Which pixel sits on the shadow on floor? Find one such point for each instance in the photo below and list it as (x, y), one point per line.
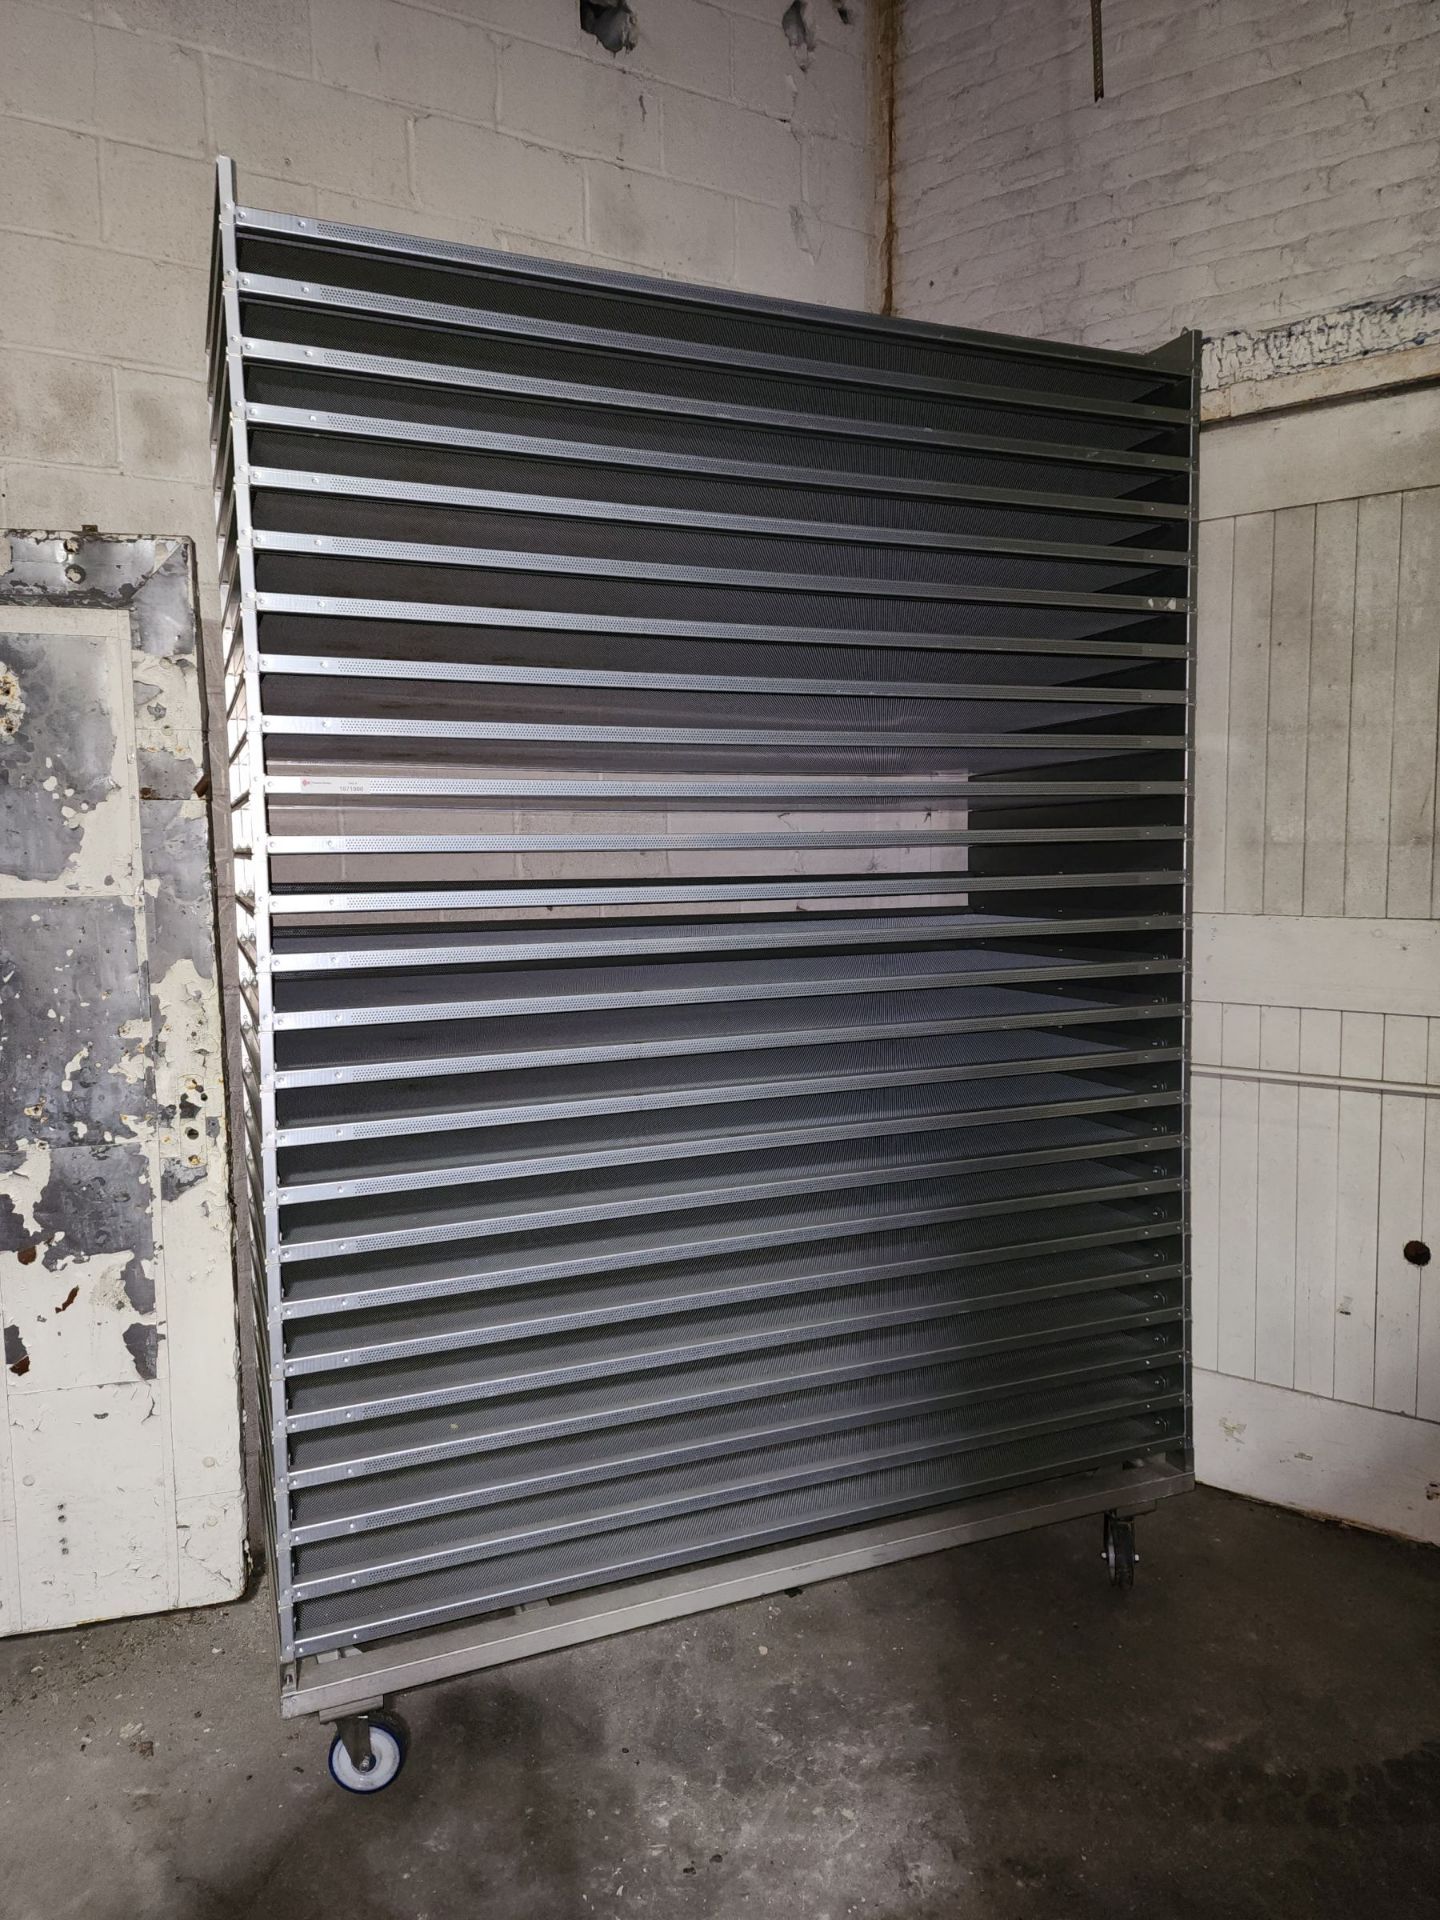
(1254, 1731)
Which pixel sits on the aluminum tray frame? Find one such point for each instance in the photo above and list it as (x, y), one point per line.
(260, 581)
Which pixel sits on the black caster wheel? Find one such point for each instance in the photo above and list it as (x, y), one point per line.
(367, 1753)
(1120, 1554)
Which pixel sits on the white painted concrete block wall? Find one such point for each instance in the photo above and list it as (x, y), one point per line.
(1252, 161)
(707, 153)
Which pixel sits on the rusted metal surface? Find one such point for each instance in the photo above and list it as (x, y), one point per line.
(119, 1426)
(1097, 49)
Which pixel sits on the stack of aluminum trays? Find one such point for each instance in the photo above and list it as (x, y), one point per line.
(710, 797)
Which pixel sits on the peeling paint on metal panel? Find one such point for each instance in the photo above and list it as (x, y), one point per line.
(26, 1171)
(91, 1221)
(73, 1321)
(58, 749)
(115, 1229)
(179, 910)
(167, 716)
(143, 1343)
(131, 1063)
(73, 1005)
(169, 630)
(96, 1200)
(178, 1175)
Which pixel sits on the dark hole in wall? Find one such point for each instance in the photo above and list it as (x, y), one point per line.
(613, 25)
(798, 25)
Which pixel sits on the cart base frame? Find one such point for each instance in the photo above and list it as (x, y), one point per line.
(336, 1687)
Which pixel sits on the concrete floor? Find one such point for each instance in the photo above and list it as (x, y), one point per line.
(989, 1732)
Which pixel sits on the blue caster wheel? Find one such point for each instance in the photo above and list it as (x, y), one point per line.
(367, 1753)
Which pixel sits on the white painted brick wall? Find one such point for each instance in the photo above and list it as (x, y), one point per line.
(1253, 162)
(707, 153)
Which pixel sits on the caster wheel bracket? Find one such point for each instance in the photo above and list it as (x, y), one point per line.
(354, 1731)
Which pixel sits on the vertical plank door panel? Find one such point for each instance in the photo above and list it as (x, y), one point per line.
(1372, 707)
(1417, 698)
(1277, 1174)
(1239, 1124)
(1205, 1091)
(1249, 714)
(1318, 1122)
(1427, 1367)
(1215, 576)
(1357, 1201)
(1289, 711)
(1397, 1291)
(1327, 767)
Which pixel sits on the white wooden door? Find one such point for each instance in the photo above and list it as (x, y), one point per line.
(1317, 986)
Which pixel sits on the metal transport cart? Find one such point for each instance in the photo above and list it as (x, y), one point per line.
(710, 785)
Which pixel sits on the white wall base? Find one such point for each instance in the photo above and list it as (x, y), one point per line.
(1353, 1463)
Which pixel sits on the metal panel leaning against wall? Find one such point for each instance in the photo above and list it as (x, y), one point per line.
(120, 1478)
(1317, 955)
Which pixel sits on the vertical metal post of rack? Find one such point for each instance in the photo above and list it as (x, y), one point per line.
(254, 1059)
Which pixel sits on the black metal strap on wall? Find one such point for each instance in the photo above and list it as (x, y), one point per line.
(711, 809)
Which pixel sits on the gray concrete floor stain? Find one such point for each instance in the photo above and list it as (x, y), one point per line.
(1254, 1731)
